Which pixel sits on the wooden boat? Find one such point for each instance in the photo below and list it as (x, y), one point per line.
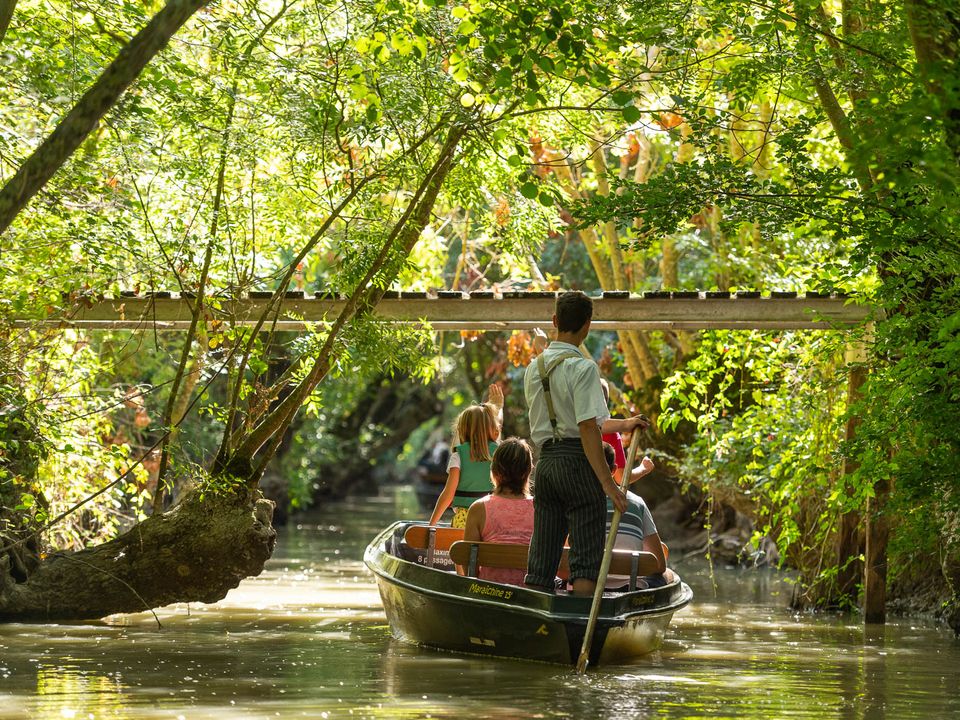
(428, 603)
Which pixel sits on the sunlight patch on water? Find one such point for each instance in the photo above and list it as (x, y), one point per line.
(670, 679)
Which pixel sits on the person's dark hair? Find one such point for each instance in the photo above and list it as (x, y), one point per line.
(610, 455)
(511, 465)
(574, 310)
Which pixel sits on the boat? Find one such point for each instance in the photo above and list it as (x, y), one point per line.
(428, 603)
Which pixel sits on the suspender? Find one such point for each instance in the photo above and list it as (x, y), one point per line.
(545, 372)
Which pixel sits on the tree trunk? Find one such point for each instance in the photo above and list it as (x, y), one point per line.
(849, 538)
(83, 118)
(935, 33)
(195, 552)
(6, 15)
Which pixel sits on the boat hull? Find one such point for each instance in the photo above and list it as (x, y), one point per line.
(448, 611)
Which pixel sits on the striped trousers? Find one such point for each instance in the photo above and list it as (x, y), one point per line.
(567, 499)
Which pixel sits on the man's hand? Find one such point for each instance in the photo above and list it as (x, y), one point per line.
(495, 396)
(639, 421)
(616, 495)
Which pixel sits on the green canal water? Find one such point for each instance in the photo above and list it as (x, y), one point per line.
(308, 639)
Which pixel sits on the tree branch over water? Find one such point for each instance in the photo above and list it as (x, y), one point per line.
(37, 169)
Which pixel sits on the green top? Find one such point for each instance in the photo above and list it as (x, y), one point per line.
(474, 476)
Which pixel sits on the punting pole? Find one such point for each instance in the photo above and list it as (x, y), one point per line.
(584, 658)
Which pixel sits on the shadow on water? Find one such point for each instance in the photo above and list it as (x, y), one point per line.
(308, 638)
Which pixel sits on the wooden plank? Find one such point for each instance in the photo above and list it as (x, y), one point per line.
(687, 311)
(494, 555)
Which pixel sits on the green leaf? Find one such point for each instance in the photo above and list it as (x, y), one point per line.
(420, 46)
(545, 63)
(529, 190)
(631, 114)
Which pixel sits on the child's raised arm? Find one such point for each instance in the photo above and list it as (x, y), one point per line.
(495, 399)
(540, 341)
(495, 396)
(645, 467)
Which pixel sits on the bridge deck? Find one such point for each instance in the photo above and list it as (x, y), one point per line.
(450, 310)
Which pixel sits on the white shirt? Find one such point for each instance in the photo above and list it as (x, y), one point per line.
(574, 388)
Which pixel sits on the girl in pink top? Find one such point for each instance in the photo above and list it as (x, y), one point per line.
(506, 515)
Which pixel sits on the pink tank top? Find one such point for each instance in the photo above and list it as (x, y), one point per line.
(509, 520)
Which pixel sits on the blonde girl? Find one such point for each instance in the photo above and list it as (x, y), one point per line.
(468, 470)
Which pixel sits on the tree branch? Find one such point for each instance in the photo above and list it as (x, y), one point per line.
(37, 169)
(364, 297)
(6, 14)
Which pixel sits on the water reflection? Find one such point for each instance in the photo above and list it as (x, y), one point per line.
(308, 639)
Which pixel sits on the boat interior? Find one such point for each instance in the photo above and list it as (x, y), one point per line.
(444, 549)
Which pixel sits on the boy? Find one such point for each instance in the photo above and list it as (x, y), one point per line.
(637, 530)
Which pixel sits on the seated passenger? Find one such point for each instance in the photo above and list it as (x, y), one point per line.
(506, 515)
(637, 530)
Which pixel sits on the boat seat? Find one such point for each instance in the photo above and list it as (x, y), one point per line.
(431, 545)
(472, 555)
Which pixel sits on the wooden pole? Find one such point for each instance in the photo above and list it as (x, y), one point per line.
(875, 563)
(584, 658)
(849, 539)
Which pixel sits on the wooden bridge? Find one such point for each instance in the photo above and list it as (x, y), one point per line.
(484, 311)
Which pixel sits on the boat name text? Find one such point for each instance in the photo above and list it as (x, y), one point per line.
(490, 590)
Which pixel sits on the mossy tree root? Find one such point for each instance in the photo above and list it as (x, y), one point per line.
(196, 552)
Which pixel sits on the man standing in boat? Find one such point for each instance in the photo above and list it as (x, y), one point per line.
(573, 480)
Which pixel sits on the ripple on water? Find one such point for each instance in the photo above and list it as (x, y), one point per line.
(308, 638)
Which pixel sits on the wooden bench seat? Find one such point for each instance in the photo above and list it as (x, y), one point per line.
(431, 545)
(418, 536)
(472, 555)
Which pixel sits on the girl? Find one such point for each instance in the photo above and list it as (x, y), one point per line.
(468, 470)
(507, 514)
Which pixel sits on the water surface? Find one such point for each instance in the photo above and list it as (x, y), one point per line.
(308, 638)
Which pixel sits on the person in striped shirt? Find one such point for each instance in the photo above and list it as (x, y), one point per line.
(637, 530)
